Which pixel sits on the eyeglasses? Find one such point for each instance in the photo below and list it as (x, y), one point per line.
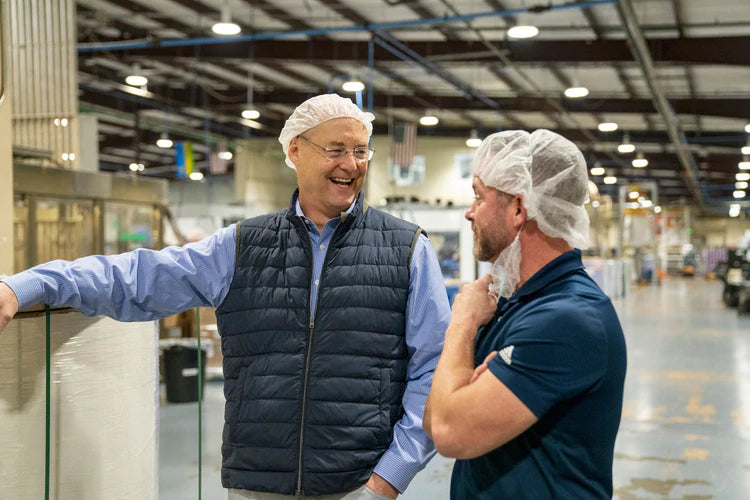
(359, 154)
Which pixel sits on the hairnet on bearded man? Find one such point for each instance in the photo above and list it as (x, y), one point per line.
(549, 172)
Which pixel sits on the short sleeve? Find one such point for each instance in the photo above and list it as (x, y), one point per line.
(552, 352)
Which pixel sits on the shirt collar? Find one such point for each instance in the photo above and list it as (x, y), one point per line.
(299, 212)
(557, 268)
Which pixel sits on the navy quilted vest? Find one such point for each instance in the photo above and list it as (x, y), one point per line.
(311, 402)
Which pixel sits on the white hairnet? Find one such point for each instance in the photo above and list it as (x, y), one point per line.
(317, 110)
(548, 170)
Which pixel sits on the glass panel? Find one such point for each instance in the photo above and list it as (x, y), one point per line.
(127, 227)
(63, 229)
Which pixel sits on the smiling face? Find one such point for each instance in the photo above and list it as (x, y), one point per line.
(328, 186)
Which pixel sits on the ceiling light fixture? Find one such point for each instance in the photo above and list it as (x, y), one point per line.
(626, 146)
(576, 92)
(744, 165)
(610, 180)
(250, 114)
(607, 127)
(225, 27)
(745, 150)
(640, 162)
(137, 167)
(646, 203)
(734, 210)
(196, 176)
(740, 185)
(136, 79)
(747, 128)
(657, 209)
(473, 141)
(597, 170)
(225, 155)
(523, 31)
(739, 194)
(742, 176)
(164, 141)
(353, 86)
(633, 195)
(429, 120)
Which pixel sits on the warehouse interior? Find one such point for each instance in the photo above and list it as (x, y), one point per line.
(142, 124)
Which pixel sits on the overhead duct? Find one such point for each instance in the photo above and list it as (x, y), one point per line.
(640, 51)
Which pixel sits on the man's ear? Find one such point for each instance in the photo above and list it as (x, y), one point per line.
(294, 150)
(519, 214)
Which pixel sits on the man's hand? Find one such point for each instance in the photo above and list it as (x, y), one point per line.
(8, 305)
(474, 306)
(381, 486)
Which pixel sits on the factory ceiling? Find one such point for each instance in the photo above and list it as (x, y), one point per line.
(674, 75)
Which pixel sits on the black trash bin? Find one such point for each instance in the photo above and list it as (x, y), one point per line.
(181, 373)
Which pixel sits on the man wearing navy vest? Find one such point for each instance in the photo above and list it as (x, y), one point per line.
(529, 404)
(332, 317)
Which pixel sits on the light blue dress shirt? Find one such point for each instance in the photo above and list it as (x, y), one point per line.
(146, 284)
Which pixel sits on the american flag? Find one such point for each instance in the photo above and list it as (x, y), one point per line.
(404, 145)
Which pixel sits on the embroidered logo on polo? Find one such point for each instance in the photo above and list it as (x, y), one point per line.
(507, 354)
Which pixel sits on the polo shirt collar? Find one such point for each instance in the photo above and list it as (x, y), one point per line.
(564, 264)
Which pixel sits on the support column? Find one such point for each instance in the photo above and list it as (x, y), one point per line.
(42, 46)
(6, 151)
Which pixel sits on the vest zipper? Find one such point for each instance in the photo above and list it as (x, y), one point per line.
(307, 363)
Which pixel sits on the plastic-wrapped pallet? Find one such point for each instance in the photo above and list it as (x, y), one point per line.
(103, 408)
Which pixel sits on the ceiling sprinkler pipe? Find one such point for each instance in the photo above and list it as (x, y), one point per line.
(434, 21)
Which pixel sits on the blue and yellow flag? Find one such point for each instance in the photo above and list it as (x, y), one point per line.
(184, 158)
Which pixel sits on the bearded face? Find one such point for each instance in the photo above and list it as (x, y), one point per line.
(489, 221)
(490, 241)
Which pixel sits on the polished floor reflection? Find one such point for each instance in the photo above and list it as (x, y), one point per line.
(685, 430)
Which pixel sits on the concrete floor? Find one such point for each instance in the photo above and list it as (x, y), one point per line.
(685, 431)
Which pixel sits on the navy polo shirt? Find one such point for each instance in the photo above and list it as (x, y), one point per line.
(562, 352)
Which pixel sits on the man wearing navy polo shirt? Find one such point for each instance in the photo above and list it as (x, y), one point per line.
(527, 394)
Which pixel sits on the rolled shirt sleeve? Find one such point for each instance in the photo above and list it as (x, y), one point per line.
(135, 286)
(427, 317)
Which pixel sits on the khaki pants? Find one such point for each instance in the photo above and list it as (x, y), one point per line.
(362, 493)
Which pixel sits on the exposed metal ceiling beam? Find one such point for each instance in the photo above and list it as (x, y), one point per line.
(641, 52)
(596, 27)
(724, 50)
(678, 17)
(720, 107)
(448, 31)
(495, 4)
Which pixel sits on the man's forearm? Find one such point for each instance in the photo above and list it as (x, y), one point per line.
(454, 371)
